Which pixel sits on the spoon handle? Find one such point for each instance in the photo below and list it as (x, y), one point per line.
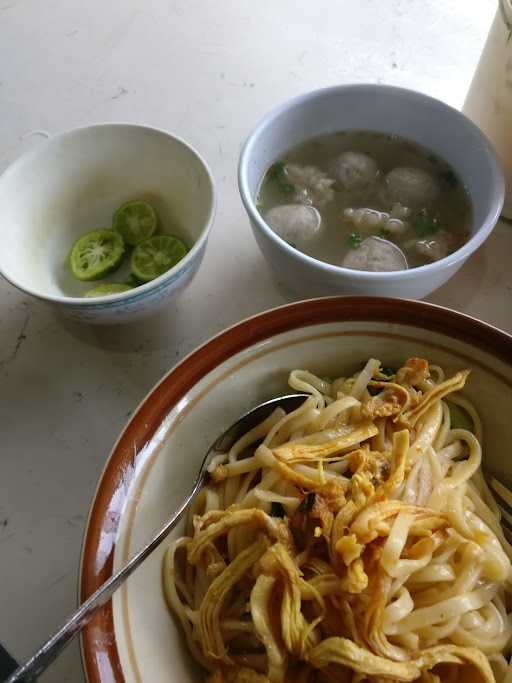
(83, 615)
(54, 646)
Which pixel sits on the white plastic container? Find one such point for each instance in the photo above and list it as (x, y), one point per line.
(489, 100)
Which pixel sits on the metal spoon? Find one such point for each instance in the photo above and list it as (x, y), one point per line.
(56, 644)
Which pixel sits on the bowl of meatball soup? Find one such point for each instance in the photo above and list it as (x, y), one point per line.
(368, 189)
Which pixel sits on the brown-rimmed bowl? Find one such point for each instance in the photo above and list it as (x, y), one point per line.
(134, 639)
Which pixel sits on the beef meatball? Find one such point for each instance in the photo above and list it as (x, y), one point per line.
(375, 254)
(354, 171)
(412, 187)
(296, 223)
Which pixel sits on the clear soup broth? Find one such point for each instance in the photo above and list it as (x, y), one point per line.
(346, 198)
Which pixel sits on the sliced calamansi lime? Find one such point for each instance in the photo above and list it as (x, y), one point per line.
(156, 255)
(96, 253)
(135, 221)
(106, 289)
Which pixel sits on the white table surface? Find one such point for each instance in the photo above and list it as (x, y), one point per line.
(207, 71)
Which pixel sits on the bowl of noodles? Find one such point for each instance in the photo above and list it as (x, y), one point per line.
(353, 539)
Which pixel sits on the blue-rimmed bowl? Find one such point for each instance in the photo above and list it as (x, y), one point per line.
(72, 183)
(387, 109)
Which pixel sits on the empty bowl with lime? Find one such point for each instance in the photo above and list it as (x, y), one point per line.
(107, 222)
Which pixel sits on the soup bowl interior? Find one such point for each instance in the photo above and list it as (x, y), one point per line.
(389, 110)
(385, 109)
(74, 182)
(156, 458)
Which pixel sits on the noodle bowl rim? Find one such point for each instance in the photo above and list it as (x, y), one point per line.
(105, 516)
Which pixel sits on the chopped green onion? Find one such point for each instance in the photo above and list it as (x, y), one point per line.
(277, 510)
(277, 172)
(389, 372)
(354, 240)
(450, 177)
(424, 225)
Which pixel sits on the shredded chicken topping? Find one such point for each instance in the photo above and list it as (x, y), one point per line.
(348, 541)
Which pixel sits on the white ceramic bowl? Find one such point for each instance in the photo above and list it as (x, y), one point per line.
(415, 116)
(134, 639)
(73, 183)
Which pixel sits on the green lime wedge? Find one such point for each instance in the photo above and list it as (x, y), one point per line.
(135, 221)
(156, 255)
(95, 254)
(105, 290)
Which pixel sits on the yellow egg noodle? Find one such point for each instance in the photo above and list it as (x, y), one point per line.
(353, 539)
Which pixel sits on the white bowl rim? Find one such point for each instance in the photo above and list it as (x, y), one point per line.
(140, 291)
(362, 275)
